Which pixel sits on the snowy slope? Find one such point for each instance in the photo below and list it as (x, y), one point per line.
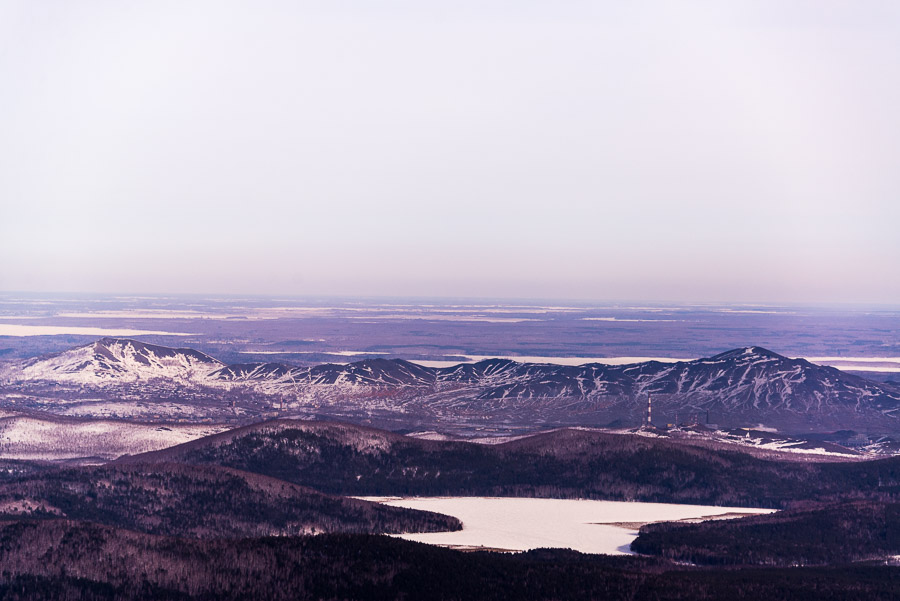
(52, 440)
(111, 360)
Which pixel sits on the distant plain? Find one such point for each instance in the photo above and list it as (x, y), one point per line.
(306, 331)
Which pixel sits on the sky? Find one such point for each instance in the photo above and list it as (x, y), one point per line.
(699, 151)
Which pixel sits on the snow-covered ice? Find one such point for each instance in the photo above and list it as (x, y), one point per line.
(15, 329)
(876, 364)
(520, 524)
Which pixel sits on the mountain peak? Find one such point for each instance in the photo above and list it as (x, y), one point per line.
(747, 353)
(121, 360)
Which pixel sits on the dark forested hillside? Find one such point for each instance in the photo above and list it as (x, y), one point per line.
(45, 560)
(201, 501)
(346, 459)
(10, 469)
(838, 533)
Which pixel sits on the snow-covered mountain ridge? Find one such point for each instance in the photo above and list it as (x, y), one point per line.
(743, 386)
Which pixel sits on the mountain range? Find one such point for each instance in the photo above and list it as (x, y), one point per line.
(742, 387)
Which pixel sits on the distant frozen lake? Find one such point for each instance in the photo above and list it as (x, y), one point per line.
(15, 329)
(520, 524)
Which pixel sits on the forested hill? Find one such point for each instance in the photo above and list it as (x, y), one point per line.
(834, 534)
(201, 502)
(347, 459)
(53, 560)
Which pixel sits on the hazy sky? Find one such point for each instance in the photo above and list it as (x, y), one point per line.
(608, 150)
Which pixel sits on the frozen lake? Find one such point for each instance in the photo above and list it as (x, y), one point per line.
(520, 524)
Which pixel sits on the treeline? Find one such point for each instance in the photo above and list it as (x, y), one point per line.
(202, 501)
(66, 560)
(834, 534)
(566, 463)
